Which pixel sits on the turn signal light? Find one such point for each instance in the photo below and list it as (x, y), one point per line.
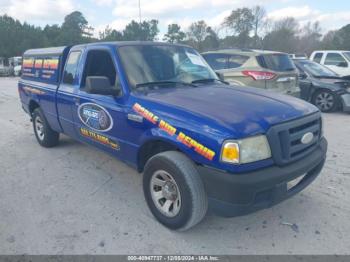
(230, 153)
(259, 75)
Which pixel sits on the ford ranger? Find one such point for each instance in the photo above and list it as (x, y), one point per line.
(160, 108)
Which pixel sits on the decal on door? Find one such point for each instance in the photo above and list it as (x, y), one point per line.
(172, 131)
(95, 117)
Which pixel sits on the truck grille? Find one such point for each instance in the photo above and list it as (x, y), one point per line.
(286, 139)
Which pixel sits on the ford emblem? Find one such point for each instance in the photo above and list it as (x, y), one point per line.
(307, 138)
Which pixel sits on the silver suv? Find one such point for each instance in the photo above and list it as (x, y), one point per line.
(263, 69)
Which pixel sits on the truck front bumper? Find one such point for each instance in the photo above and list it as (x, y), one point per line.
(239, 194)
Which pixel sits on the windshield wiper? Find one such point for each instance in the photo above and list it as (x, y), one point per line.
(155, 83)
(209, 80)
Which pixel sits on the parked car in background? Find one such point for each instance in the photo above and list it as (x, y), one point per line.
(15, 65)
(4, 67)
(323, 87)
(337, 61)
(263, 69)
(298, 56)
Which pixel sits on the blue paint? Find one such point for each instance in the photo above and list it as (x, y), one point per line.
(208, 113)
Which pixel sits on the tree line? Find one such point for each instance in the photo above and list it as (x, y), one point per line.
(243, 28)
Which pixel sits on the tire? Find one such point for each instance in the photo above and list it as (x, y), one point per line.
(191, 202)
(325, 100)
(45, 136)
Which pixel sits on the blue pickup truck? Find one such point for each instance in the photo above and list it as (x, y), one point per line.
(161, 109)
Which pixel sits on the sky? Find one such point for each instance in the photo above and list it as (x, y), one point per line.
(117, 13)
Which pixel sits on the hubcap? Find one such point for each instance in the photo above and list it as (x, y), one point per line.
(324, 101)
(39, 127)
(165, 193)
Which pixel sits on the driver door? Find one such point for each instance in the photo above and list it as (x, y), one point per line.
(97, 117)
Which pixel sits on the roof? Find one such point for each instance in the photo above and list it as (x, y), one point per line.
(45, 51)
(243, 51)
(60, 50)
(129, 43)
(335, 51)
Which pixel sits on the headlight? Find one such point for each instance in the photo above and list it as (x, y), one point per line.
(245, 150)
(348, 89)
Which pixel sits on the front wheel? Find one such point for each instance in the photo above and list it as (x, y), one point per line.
(42, 130)
(174, 191)
(325, 100)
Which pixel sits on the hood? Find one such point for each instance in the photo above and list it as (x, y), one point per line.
(331, 82)
(243, 111)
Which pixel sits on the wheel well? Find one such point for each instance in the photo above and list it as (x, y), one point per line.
(150, 149)
(319, 90)
(32, 106)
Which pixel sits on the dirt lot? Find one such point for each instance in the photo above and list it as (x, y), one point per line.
(74, 199)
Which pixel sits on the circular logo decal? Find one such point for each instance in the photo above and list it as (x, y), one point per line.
(95, 117)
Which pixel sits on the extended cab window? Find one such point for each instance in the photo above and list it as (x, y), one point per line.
(71, 67)
(99, 63)
(334, 59)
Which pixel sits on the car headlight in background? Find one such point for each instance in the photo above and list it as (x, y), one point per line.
(246, 150)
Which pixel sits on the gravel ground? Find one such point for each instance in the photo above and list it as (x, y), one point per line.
(74, 199)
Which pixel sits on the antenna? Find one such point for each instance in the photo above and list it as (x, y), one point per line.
(140, 11)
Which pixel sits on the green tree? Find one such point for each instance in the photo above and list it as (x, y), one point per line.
(310, 38)
(75, 29)
(52, 34)
(174, 34)
(338, 39)
(212, 40)
(241, 22)
(284, 36)
(145, 31)
(110, 34)
(197, 33)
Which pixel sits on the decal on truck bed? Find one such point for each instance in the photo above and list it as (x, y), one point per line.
(95, 117)
(45, 68)
(170, 130)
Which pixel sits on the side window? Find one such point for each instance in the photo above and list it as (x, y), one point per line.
(71, 67)
(334, 59)
(99, 63)
(216, 61)
(235, 61)
(318, 57)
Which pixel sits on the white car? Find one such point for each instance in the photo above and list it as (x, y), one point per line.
(16, 65)
(298, 56)
(336, 60)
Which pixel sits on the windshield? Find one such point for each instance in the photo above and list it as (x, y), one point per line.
(276, 62)
(163, 63)
(316, 69)
(347, 54)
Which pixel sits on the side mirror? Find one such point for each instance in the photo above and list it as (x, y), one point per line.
(100, 85)
(343, 64)
(221, 76)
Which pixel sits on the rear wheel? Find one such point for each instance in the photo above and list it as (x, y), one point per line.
(325, 101)
(174, 190)
(43, 132)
